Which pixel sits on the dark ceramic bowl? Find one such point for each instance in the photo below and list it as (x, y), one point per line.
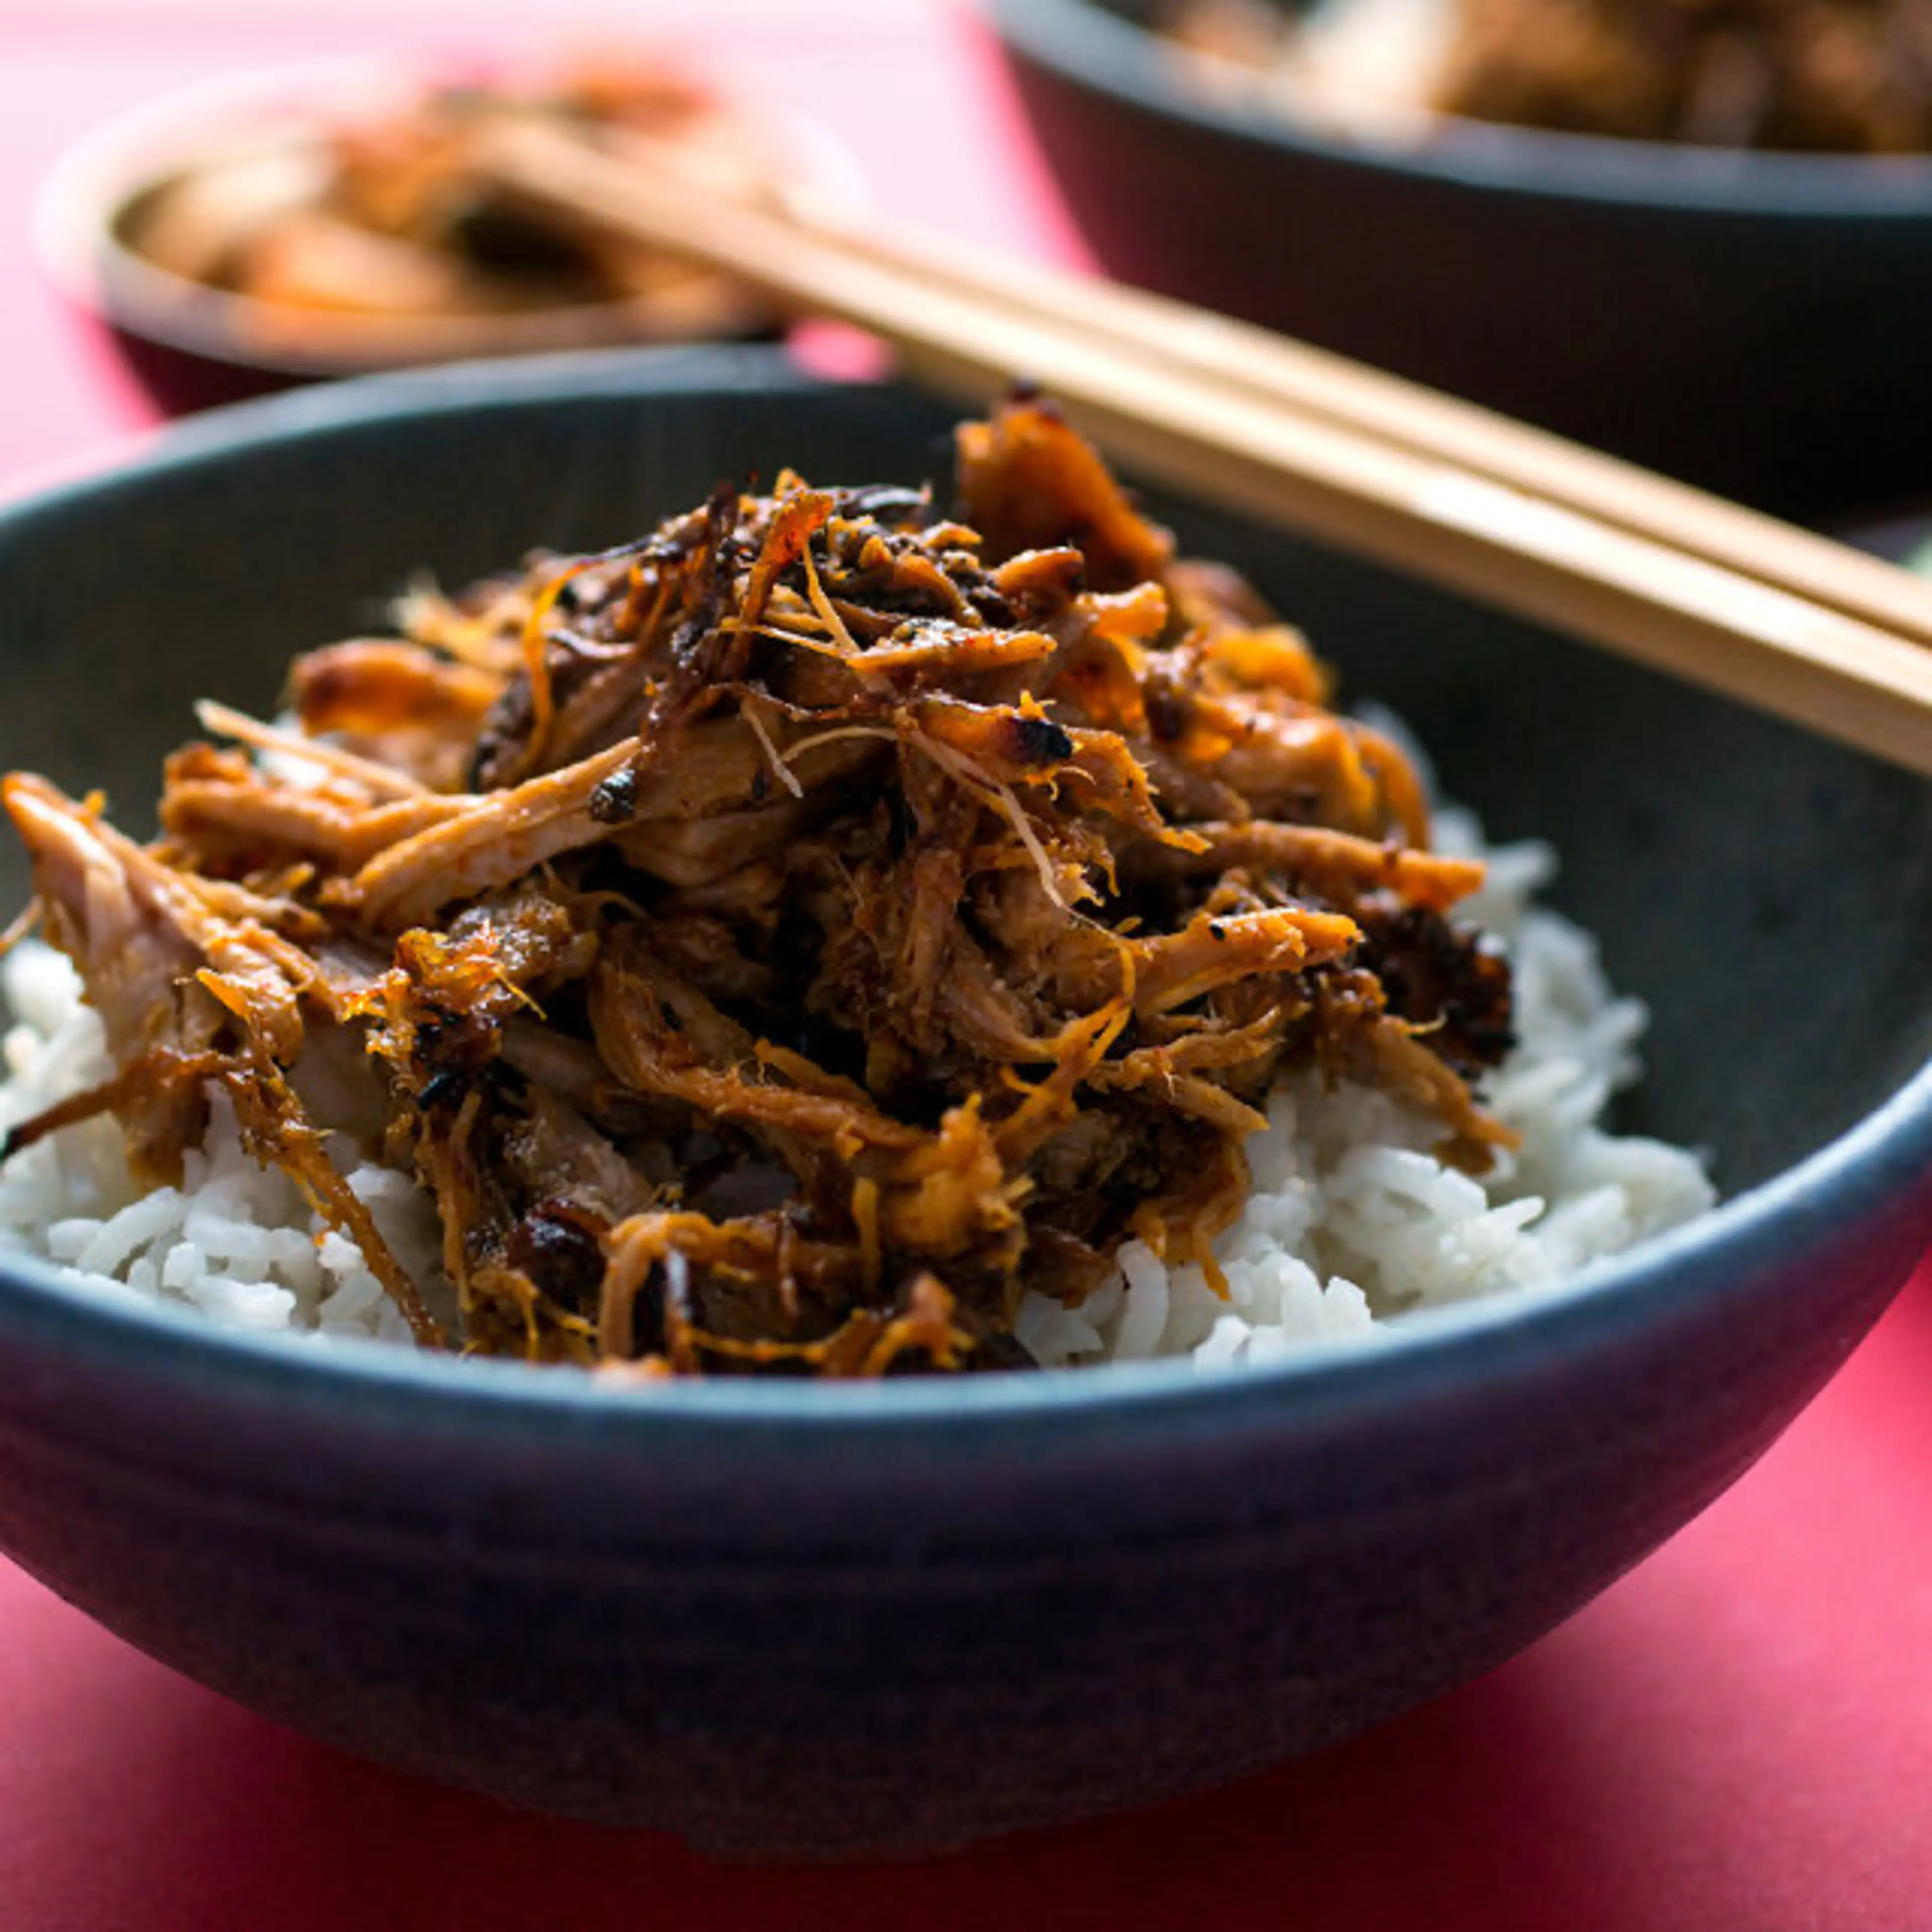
(1755, 322)
(785, 1618)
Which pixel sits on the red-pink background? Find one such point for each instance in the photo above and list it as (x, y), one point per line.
(1737, 1736)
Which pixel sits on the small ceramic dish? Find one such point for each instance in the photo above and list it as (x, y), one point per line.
(132, 226)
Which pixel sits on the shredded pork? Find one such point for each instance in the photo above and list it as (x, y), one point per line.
(782, 942)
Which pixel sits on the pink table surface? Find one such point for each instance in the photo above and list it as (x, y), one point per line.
(1738, 1736)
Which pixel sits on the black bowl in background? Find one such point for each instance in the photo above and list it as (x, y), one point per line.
(783, 1618)
(1756, 323)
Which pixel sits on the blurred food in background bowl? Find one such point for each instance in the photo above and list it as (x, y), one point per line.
(1823, 76)
(330, 221)
(1750, 320)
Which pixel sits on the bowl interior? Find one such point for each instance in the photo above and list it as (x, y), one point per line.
(1768, 894)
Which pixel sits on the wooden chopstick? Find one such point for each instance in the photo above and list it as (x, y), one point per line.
(1771, 616)
(1239, 356)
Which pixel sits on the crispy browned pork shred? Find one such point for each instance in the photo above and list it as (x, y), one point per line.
(785, 941)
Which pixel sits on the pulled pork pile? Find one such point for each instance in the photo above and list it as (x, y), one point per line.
(782, 942)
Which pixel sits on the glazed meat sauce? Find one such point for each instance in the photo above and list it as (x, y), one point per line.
(781, 943)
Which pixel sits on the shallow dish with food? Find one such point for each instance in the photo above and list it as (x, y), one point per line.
(322, 221)
(787, 1618)
(1745, 320)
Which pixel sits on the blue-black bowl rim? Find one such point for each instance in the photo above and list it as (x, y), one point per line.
(1093, 48)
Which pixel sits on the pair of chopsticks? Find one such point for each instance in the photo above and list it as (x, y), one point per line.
(1790, 622)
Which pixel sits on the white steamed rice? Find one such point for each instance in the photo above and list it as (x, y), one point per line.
(1352, 1222)
(236, 1241)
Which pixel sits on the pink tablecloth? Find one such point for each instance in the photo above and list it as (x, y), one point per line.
(1738, 1736)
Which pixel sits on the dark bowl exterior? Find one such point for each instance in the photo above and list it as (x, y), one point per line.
(177, 381)
(782, 1620)
(1754, 324)
(797, 1636)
